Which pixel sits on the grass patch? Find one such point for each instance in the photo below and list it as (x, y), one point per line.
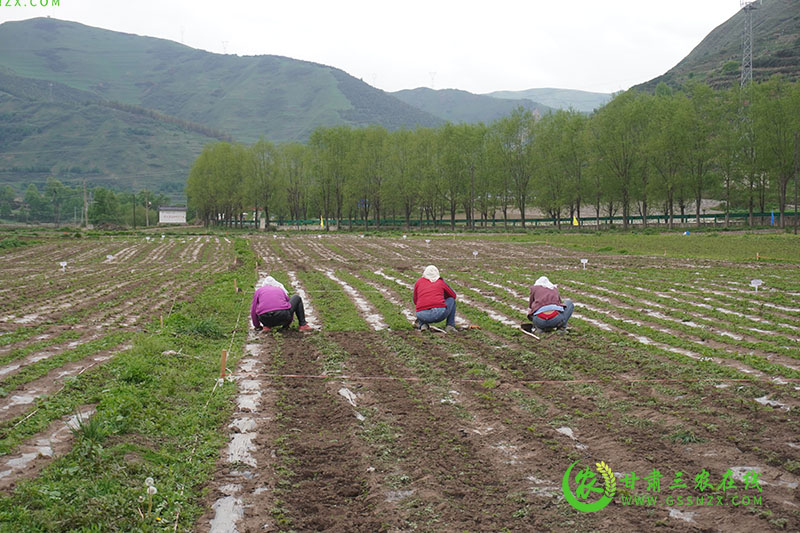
(156, 418)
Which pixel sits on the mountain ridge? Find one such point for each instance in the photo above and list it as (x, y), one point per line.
(717, 59)
(455, 105)
(246, 96)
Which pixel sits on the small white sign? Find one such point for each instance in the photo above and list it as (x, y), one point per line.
(583, 262)
(756, 283)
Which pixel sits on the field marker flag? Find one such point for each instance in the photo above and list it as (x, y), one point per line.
(575, 221)
(772, 218)
(321, 223)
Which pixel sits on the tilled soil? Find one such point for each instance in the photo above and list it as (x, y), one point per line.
(401, 430)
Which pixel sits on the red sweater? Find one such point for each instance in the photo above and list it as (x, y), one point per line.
(429, 295)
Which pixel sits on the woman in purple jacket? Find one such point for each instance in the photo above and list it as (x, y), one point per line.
(272, 307)
(545, 308)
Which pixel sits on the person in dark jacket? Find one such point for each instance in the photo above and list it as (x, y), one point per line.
(545, 308)
(434, 300)
(272, 307)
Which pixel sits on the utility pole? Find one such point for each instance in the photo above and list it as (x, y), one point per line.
(795, 182)
(134, 209)
(748, 141)
(85, 205)
(748, 6)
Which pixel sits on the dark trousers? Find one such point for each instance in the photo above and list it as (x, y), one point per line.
(283, 317)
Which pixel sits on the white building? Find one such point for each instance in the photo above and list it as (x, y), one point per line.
(172, 215)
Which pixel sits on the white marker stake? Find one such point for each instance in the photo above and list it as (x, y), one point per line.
(583, 262)
(427, 241)
(475, 254)
(756, 283)
(63, 265)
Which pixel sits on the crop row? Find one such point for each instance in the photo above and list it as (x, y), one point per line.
(494, 391)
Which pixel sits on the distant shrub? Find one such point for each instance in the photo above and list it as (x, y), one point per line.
(12, 242)
(731, 67)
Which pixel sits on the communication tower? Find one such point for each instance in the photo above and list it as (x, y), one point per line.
(748, 7)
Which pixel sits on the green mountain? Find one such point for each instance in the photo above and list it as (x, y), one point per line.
(458, 106)
(50, 129)
(130, 112)
(249, 97)
(106, 146)
(717, 59)
(583, 101)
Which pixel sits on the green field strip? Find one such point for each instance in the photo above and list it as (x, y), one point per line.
(391, 314)
(667, 310)
(677, 325)
(762, 297)
(733, 321)
(678, 280)
(336, 311)
(22, 351)
(20, 334)
(41, 368)
(755, 362)
(671, 340)
(155, 404)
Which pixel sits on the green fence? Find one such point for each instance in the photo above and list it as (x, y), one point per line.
(716, 219)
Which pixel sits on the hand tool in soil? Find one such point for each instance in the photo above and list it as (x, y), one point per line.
(527, 328)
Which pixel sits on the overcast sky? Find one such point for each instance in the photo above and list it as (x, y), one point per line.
(477, 46)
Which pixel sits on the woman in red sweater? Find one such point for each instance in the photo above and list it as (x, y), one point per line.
(435, 301)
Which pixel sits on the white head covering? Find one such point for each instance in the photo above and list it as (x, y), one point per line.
(544, 282)
(269, 280)
(431, 273)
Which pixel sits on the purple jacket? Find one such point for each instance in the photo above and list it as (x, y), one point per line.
(266, 299)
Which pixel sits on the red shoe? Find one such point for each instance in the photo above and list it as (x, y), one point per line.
(305, 327)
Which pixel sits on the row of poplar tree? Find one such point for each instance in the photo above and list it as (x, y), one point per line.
(641, 154)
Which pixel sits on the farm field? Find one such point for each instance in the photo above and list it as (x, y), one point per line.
(673, 364)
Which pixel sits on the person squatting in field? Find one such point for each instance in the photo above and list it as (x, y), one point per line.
(434, 300)
(272, 307)
(545, 308)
